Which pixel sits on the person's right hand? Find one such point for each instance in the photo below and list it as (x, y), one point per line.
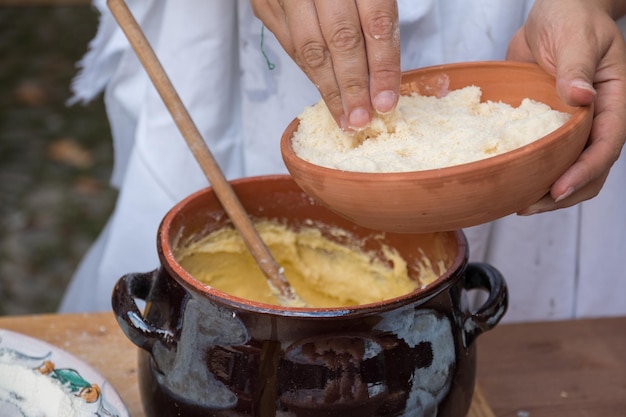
(580, 43)
(350, 50)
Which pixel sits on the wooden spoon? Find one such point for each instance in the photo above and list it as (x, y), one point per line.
(201, 152)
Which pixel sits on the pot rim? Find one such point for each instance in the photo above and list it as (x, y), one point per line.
(184, 278)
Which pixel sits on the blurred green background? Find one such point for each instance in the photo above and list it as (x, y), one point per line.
(55, 160)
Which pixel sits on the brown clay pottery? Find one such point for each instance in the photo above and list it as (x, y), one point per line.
(458, 196)
(206, 353)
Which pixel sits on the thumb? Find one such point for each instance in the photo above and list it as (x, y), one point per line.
(575, 71)
(518, 49)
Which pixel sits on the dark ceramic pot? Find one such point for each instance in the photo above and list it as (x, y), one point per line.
(206, 353)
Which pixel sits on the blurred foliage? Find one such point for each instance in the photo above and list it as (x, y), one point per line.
(55, 160)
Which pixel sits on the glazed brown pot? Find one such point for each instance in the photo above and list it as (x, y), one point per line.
(207, 353)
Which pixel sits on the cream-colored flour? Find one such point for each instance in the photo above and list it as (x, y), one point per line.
(34, 394)
(425, 133)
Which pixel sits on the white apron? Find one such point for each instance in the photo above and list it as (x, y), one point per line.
(558, 265)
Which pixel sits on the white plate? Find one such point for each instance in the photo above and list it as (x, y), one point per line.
(84, 387)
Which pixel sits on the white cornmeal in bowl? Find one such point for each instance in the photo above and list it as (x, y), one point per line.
(424, 133)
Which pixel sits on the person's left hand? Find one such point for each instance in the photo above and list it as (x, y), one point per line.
(580, 43)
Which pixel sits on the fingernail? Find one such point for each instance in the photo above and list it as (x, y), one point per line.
(343, 123)
(359, 118)
(566, 194)
(546, 204)
(583, 85)
(385, 101)
(539, 207)
(528, 212)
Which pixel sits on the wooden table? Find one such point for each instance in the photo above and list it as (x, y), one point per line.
(555, 369)
(572, 368)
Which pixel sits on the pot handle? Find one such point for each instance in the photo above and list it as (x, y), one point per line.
(129, 288)
(480, 275)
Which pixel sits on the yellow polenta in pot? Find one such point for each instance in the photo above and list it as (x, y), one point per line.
(323, 272)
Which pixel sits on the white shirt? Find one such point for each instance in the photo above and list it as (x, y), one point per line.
(563, 264)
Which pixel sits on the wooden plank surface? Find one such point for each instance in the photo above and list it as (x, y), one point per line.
(97, 339)
(555, 369)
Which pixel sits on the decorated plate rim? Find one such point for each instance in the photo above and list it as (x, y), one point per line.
(78, 377)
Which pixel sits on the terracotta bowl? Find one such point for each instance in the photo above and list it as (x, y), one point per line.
(207, 353)
(458, 196)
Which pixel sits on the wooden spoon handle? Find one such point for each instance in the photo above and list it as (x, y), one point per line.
(200, 150)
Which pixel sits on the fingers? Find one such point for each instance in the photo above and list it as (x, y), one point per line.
(379, 20)
(548, 203)
(585, 178)
(340, 25)
(582, 181)
(363, 41)
(350, 50)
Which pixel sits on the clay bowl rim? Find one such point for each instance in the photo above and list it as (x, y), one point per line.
(578, 115)
(178, 273)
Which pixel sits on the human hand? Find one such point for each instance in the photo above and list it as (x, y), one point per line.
(350, 50)
(580, 43)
